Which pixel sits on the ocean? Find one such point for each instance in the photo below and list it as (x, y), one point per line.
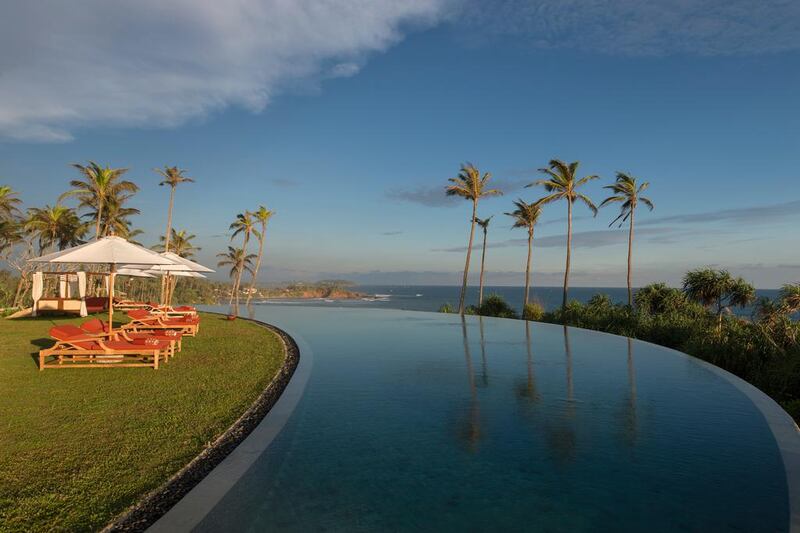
(431, 297)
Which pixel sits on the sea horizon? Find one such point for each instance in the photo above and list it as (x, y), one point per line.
(432, 297)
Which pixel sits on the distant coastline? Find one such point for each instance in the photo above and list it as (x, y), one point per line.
(310, 294)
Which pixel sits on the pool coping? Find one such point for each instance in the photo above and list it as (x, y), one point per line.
(198, 502)
(783, 427)
(158, 502)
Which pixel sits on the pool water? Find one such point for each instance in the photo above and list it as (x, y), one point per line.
(423, 421)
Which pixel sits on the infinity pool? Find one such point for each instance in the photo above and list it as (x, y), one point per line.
(422, 421)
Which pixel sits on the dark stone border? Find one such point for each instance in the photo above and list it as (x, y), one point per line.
(157, 502)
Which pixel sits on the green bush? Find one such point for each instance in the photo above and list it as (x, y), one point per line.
(493, 305)
(533, 311)
(446, 308)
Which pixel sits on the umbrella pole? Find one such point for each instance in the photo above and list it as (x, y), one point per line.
(111, 275)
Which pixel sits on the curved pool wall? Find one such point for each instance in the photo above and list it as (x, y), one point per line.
(422, 421)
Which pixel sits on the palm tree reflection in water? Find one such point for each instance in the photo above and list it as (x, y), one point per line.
(484, 365)
(528, 390)
(470, 432)
(560, 433)
(631, 429)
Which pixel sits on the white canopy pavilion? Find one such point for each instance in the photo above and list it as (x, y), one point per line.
(111, 251)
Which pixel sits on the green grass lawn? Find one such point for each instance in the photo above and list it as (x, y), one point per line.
(78, 446)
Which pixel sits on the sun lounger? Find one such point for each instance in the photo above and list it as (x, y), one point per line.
(178, 311)
(98, 327)
(142, 320)
(74, 348)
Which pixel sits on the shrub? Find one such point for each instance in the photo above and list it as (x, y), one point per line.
(533, 311)
(493, 305)
(446, 308)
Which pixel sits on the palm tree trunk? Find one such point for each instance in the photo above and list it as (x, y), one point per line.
(99, 218)
(240, 271)
(167, 235)
(236, 290)
(569, 251)
(630, 254)
(483, 262)
(528, 272)
(258, 263)
(466, 263)
(169, 219)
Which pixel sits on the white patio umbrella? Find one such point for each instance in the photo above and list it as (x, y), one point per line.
(111, 251)
(180, 267)
(177, 273)
(134, 273)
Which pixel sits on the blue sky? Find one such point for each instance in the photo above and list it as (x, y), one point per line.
(348, 117)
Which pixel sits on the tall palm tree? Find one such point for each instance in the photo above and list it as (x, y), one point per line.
(181, 243)
(562, 184)
(629, 193)
(245, 225)
(8, 203)
(57, 225)
(262, 216)
(173, 176)
(526, 216)
(98, 184)
(115, 217)
(470, 185)
(239, 261)
(484, 225)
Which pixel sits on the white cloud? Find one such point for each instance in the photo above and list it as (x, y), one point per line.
(643, 27)
(158, 63)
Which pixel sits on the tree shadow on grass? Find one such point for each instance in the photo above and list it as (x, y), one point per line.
(41, 343)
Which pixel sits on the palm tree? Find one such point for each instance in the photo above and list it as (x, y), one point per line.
(470, 185)
(181, 244)
(629, 194)
(711, 287)
(262, 215)
(563, 185)
(484, 225)
(115, 218)
(10, 234)
(99, 184)
(239, 261)
(173, 176)
(246, 226)
(8, 203)
(526, 216)
(57, 225)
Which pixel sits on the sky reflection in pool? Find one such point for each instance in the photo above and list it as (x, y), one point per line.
(419, 421)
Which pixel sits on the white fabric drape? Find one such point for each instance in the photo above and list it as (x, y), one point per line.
(36, 291)
(63, 288)
(82, 292)
(72, 285)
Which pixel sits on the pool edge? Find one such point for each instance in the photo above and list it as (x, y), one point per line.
(159, 502)
(199, 501)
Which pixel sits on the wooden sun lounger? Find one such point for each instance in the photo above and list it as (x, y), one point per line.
(179, 311)
(142, 320)
(75, 349)
(98, 327)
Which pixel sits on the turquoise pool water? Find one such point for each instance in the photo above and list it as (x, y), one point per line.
(422, 421)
